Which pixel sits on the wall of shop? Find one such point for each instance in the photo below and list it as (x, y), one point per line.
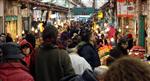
(11, 18)
(148, 26)
(1, 15)
(126, 16)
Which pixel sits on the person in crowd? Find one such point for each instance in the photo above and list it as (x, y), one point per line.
(64, 38)
(128, 69)
(27, 49)
(9, 38)
(79, 63)
(102, 41)
(30, 38)
(51, 62)
(100, 72)
(120, 50)
(88, 75)
(130, 41)
(110, 60)
(2, 38)
(87, 48)
(11, 67)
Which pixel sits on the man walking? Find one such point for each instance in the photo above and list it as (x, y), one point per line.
(51, 63)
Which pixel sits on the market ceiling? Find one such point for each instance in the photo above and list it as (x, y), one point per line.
(82, 3)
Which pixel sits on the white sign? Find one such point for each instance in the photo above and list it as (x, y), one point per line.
(125, 8)
(1, 8)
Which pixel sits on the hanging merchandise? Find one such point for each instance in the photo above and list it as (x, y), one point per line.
(111, 32)
(100, 14)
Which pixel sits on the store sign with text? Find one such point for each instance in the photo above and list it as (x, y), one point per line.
(125, 8)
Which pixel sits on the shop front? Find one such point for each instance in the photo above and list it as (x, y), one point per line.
(11, 25)
(126, 16)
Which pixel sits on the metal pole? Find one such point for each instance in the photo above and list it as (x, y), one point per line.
(94, 4)
(138, 6)
(3, 29)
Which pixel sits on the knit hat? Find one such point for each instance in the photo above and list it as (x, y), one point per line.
(11, 50)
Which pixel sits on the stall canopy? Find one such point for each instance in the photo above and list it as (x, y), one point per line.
(82, 11)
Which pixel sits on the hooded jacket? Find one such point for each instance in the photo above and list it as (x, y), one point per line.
(14, 71)
(27, 58)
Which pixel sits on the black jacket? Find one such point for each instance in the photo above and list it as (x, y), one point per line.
(88, 75)
(89, 52)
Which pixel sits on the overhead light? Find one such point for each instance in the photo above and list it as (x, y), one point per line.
(36, 31)
(34, 8)
(127, 26)
(32, 29)
(44, 1)
(119, 30)
(23, 32)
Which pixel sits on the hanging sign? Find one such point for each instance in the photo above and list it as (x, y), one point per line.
(126, 9)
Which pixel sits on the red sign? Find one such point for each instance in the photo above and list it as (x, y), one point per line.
(126, 0)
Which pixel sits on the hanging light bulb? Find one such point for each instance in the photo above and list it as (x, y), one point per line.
(127, 26)
(107, 29)
(112, 39)
(17, 36)
(119, 30)
(36, 31)
(32, 29)
(23, 32)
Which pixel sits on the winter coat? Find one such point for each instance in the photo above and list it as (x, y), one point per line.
(52, 63)
(78, 63)
(89, 52)
(27, 58)
(14, 72)
(88, 75)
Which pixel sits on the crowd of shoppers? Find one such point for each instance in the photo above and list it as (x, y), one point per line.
(71, 55)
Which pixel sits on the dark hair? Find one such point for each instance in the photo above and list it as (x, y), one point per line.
(122, 40)
(50, 33)
(85, 35)
(128, 69)
(25, 46)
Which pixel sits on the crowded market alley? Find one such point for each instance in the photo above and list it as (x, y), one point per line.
(75, 40)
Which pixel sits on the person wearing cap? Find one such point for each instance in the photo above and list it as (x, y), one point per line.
(11, 67)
